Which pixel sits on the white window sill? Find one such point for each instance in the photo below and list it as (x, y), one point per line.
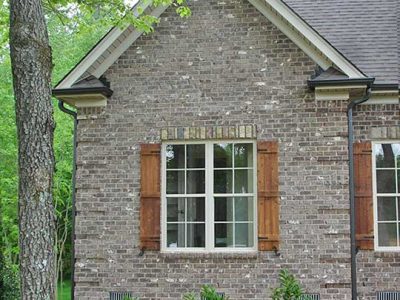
(244, 254)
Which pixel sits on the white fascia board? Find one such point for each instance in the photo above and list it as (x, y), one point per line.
(315, 46)
(128, 41)
(97, 51)
(384, 97)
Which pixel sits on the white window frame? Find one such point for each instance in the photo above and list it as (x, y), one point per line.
(209, 199)
(375, 199)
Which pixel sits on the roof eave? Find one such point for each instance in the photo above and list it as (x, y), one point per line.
(368, 81)
(105, 91)
(385, 86)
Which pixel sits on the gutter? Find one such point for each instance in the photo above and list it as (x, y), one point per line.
(74, 115)
(385, 86)
(353, 249)
(340, 82)
(105, 91)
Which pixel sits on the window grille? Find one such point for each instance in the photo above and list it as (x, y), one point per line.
(120, 295)
(219, 294)
(310, 297)
(388, 295)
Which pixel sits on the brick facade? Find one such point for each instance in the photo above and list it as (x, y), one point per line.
(226, 66)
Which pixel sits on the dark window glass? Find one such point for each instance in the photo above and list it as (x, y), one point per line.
(175, 156)
(196, 156)
(222, 155)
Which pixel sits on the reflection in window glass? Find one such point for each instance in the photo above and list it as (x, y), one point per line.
(243, 155)
(196, 183)
(386, 181)
(387, 175)
(196, 156)
(175, 156)
(223, 208)
(223, 181)
(230, 184)
(175, 182)
(185, 222)
(385, 155)
(224, 235)
(243, 181)
(387, 233)
(195, 235)
(222, 155)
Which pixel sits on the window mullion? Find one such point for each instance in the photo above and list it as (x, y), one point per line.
(397, 201)
(209, 197)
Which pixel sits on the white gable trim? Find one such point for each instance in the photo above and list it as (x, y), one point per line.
(128, 41)
(117, 41)
(307, 39)
(107, 41)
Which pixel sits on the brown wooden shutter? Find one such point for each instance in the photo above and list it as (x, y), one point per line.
(268, 195)
(363, 195)
(150, 196)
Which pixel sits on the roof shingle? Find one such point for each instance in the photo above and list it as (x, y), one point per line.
(364, 31)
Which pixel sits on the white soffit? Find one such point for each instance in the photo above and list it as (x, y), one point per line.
(108, 50)
(307, 39)
(384, 97)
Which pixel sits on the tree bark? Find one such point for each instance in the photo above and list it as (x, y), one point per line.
(31, 66)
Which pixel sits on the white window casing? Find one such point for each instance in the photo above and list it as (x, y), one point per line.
(209, 196)
(383, 195)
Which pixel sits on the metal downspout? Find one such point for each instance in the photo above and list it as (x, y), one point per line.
(350, 108)
(74, 115)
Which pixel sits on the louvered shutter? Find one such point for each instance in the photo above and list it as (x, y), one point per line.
(363, 195)
(268, 195)
(150, 197)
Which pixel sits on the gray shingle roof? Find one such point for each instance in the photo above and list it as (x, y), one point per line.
(365, 31)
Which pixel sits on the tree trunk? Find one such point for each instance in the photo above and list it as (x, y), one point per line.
(31, 67)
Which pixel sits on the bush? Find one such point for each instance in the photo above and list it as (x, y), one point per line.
(9, 282)
(289, 288)
(207, 293)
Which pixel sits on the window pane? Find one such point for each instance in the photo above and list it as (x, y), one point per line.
(244, 235)
(175, 235)
(223, 181)
(175, 182)
(243, 155)
(175, 209)
(387, 234)
(222, 155)
(398, 180)
(224, 235)
(195, 182)
(385, 181)
(175, 155)
(398, 207)
(386, 209)
(195, 156)
(384, 155)
(223, 209)
(196, 209)
(244, 208)
(196, 235)
(243, 181)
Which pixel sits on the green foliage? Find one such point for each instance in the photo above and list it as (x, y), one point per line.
(73, 26)
(207, 293)
(69, 44)
(289, 288)
(64, 290)
(130, 298)
(9, 287)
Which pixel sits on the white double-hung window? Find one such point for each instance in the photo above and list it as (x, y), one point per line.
(209, 196)
(386, 162)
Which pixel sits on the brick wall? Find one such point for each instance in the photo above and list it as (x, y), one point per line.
(225, 66)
